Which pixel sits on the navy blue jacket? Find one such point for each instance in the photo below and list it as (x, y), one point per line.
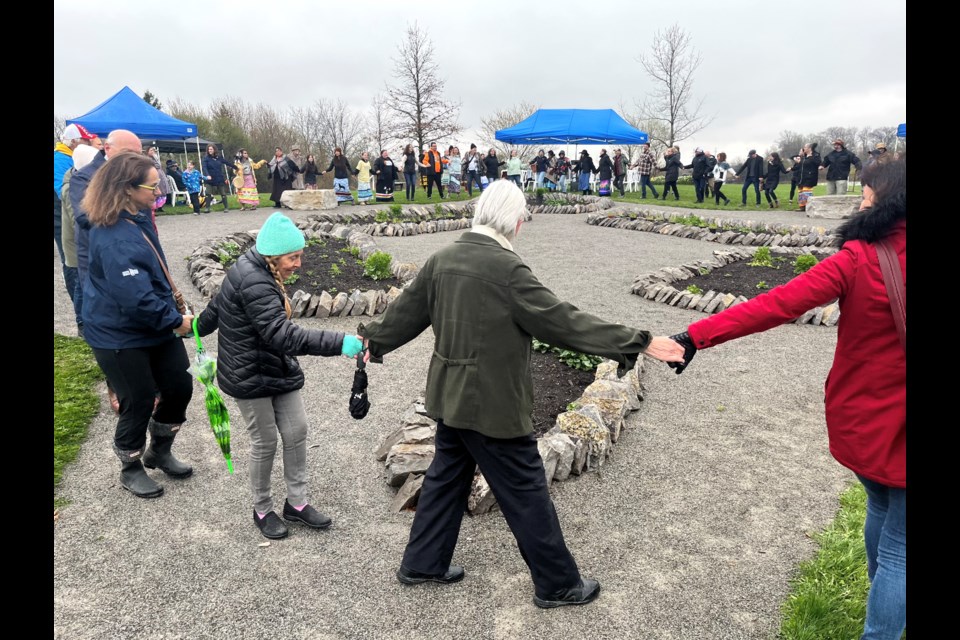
(78, 187)
(213, 167)
(127, 301)
(257, 344)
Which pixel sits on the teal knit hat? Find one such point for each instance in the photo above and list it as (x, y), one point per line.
(278, 236)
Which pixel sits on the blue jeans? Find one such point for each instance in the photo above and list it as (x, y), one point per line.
(700, 186)
(516, 179)
(644, 183)
(756, 187)
(885, 536)
(541, 176)
(410, 180)
(563, 182)
(473, 178)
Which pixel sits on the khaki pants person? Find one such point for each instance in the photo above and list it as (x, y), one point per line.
(836, 187)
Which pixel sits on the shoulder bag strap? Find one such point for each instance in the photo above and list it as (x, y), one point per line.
(173, 287)
(893, 279)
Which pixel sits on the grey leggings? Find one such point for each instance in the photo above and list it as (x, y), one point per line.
(265, 418)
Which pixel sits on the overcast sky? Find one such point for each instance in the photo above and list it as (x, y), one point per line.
(766, 66)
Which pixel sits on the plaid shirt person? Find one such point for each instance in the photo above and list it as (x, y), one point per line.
(645, 162)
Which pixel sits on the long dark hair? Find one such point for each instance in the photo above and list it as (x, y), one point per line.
(888, 180)
(109, 191)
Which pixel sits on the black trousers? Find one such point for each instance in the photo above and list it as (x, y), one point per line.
(717, 194)
(195, 201)
(514, 470)
(136, 375)
(618, 183)
(434, 178)
(670, 184)
(793, 190)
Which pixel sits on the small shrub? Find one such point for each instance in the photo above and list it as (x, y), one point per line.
(573, 406)
(438, 210)
(382, 216)
(292, 278)
(761, 258)
(704, 271)
(690, 220)
(228, 253)
(316, 242)
(397, 210)
(335, 270)
(804, 263)
(762, 285)
(695, 290)
(377, 266)
(574, 359)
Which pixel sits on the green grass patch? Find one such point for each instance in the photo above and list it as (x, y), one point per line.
(828, 600)
(688, 197)
(75, 402)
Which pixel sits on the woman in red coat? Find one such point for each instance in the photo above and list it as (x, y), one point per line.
(866, 394)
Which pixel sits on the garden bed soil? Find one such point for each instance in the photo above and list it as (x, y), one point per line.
(316, 275)
(555, 385)
(741, 279)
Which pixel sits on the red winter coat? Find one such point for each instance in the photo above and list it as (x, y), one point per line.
(866, 392)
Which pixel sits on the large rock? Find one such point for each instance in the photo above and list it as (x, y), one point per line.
(556, 450)
(408, 494)
(407, 434)
(309, 200)
(586, 425)
(833, 207)
(481, 498)
(405, 459)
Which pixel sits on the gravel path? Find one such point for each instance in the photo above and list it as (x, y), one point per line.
(694, 526)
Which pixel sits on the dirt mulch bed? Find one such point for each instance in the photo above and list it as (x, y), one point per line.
(555, 385)
(741, 279)
(316, 273)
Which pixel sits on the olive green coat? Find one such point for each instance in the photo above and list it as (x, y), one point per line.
(485, 304)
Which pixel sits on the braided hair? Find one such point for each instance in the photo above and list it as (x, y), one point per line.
(272, 265)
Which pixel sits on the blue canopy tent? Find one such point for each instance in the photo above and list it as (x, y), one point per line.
(126, 110)
(578, 126)
(901, 133)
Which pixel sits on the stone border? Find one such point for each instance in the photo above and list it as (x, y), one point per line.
(581, 440)
(657, 286)
(758, 234)
(577, 203)
(357, 228)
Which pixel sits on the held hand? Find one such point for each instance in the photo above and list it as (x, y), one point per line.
(352, 345)
(664, 349)
(185, 327)
(689, 350)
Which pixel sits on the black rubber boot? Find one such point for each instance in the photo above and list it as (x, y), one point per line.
(133, 478)
(158, 453)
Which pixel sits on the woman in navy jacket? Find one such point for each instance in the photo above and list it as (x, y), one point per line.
(131, 321)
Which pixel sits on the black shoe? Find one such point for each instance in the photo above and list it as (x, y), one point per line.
(80, 331)
(585, 592)
(270, 526)
(406, 576)
(308, 516)
(135, 480)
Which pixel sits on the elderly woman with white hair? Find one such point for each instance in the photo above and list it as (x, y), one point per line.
(485, 305)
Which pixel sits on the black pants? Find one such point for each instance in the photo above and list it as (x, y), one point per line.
(670, 184)
(793, 190)
(717, 194)
(195, 201)
(434, 179)
(750, 180)
(618, 183)
(136, 375)
(473, 177)
(514, 470)
(770, 193)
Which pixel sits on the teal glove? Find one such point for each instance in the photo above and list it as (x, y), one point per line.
(352, 345)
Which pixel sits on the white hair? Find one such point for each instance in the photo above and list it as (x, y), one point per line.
(501, 206)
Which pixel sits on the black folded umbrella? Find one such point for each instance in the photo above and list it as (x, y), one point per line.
(359, 403)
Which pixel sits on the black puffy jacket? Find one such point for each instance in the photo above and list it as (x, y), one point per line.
(257, 343)
(700, 165)
(671, 172)
(605, 168)
(838, 164)
(809, 170)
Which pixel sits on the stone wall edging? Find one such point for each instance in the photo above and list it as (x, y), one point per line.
(577, 204)
(658, 286)
(358, 229)
(580, 441)
(760, 234)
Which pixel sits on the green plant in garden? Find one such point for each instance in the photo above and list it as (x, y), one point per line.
(694, 289)
(704, 271)
(335, 270)
(573, 406)
(228, 252)
(438, 210)
(342, 261)
(397, 210)
(354, 251)
(292, 278)
(690, 220)
(574, 359)
(377, 266)
(804, 263)
(761, 258)
(762, 285)
(316, 242)
(382, 216)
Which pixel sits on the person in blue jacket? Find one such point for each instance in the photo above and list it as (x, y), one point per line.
(132, 323)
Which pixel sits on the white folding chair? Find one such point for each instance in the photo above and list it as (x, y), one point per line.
(633, 179)
(175, 194)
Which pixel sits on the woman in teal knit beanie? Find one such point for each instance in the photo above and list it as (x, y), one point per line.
(257, 366)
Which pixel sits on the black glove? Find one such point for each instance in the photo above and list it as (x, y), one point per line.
(689, 350)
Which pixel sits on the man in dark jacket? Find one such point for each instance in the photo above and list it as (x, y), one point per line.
(837, 163)
(752, 170)
(215, 177)
(485, 305)
(701, 170)
(619, 170)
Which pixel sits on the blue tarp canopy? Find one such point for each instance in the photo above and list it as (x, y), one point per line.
(902, 130)
(127, 110)
(579, 126)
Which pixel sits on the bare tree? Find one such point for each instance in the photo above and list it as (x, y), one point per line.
(307, 124)
(417, 103)
(671, 65)
(59, 124)
(378, 136)
(341, 127)
(501, 120)
(789, 143)
(657, 134)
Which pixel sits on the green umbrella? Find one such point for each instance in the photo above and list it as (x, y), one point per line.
(205, 370)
